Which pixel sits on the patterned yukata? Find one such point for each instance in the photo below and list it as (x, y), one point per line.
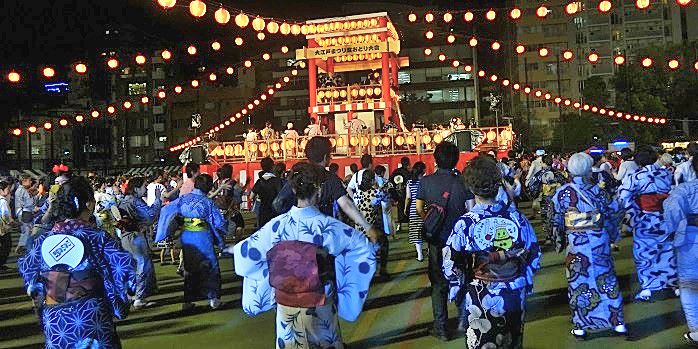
(594, 296)
(493, 311)
(653, 247)
(416, 222)
(135, 241)
(681, 214)
(354, 265)
(204, 228)
(85, 322)
(547, 181)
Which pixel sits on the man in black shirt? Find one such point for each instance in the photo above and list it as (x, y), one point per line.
(445, 179)
(400, 189)
(333, 196)
(266, 188)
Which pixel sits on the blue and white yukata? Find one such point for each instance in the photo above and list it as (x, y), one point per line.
(653, 245)
(204, 228)
(594, 296)
(681, 215)
(134, 239)
(84, 321)
(493, 311)
(354, 265)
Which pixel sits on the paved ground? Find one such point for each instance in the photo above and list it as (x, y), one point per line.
(396, 315)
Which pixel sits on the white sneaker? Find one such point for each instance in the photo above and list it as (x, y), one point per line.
(677, 292)
(620, 329)
(140, 304)
(214, 303)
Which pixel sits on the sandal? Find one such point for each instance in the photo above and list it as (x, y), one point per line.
(579, 337)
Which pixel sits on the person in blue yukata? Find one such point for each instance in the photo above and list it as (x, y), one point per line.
(681, 216)
(204, 229)
(643, 193)
(489, 261)
(311, 267)
(78, 276)
(137, 219)
(585, 221)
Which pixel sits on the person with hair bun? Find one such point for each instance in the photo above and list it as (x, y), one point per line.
(681, 216)
(489, 260)
(642, 194)
(311, 267)
(136, 221)
(585, 223)
(78, 276)
(203, 230)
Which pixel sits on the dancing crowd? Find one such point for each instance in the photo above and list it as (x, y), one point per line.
(320, 241)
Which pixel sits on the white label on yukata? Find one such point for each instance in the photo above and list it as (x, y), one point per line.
(62, 249)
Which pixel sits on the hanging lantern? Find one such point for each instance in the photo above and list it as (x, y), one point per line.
(520, 49)
(542, 12)
(442, 57)
(468, 16)
(543, 52)
(683, 3)
(572, 8)
(140, 59)
(375, 141)
(472, 42)
(49, 72)
(410, 140)
(212, 77)
(272, 27)
(32, 129)
(593, 58)
(647, 62)
(438, 138)
(491, 135)
(284, 49)
(79, 118)
(258, 24)
(429, 17)
(261, 36)
(619, 60)
(605, 6)
(48, 126)
(673, 64)
(230, 70)
(167, 4)
(222, 16)
(429, 35)
(166, 55)
(456, 63)
(248, 64)
(95, 113)
(296, 29)
(426, 139)
(266, 56)
(197, 8)
(411, 18)
(448, 17)
(496, 46)
(191, 50)
(490, 15)
(451, 38)
(127, 105)
(17, 132)
(399, 140)
(239, 41)
(515, 13)
(505, 82)
(13, 77)
(195, 83)
(642, 4)
(216, 46)
(567, 55)
(427, 51)
(178, 89)
(144, 100)
(81, 68)
(242, 20)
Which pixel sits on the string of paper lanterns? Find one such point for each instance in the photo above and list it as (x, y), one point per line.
(126, 104)
(249, 109)
(15, 76)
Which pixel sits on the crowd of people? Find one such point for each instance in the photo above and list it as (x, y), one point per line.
(319, 241)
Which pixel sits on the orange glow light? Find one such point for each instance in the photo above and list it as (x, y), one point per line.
(673, 64)
(619, 60)
(191, 50)
(215, 45)
(642, 4)
(63, 122)
(448, 17)
(212, 77)
(593, 58)
(230, 70)
(520, 49)
(429, 34)
(605, 6)
(81, 68)
(195, 83)
(17, 132)
(572, 8)
(178, 89)
(113, 63)
(48, 126)
(412, 17)
(490, 15)
(79, 118)
(32, 129)
(140, 59)
(429, 17)
(442, 57)
(647, 62)
(166, 55)
(162, 94)
(451, 38)
(568, 55)
(111, 109)
(49, 72)
(94, 114)
(542, 12)
(496, 46)
(473, 42)
(468, 16)
(127, 105)
(683, 3)
(427, 51)
(543, 52)
(14, 76)
(515, 13)
(248, 64)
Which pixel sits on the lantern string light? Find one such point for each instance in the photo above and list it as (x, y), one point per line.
(245, 111)
(127, 103)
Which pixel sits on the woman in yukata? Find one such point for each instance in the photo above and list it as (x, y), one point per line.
(312, 267)
(585, 222)
(204, 228)
(681, 216)
(137, 219)
(489, 260)
(78, 276)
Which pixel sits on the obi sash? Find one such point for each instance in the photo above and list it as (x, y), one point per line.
(651, 202)
(580, 221)
(63, 286)
(500, 266)
(298, 271)
(195, 224)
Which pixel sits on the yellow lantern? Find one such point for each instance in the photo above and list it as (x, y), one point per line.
(362, 56)
(290, 144)
(239, 41)
(273, 27)
(364, 141)
(263, 147)
(349, 58)
(197, 8)
(222, 16)
(374, 38)
(369, 92)
(367, 23)
(261, 36)
(506, 135)
(354, 141)
(304, 29)
(285, 28)
(335, 94)
(352, 25)
(399, 140)
(253, 147)
(258, 24)
(362, 92)
(242, 20)
(340, 141)
(275, 147)
(228, 150)
(374, 22)
(333, 41)
(325, 27)
(375, 141)
(167, 4)
(354, 92)
(296, 29)
(410, 140)
(312, 29)
(343, 93)
(377, 91)
(426, 139)
(321, 94)
(438, 138)
(238, 149)
(385, 141)
(491, 135)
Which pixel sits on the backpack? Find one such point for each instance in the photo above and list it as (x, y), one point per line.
(435, 216)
